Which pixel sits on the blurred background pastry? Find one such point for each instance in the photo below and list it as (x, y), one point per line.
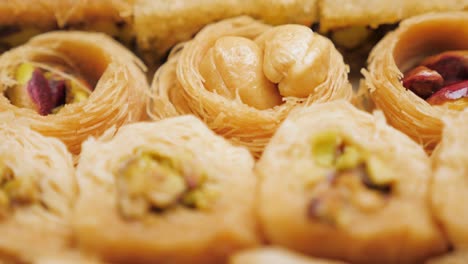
(23, 19)
(159, 25)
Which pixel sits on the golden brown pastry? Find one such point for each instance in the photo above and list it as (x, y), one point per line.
(337, 182)
(159, 25)
(37, 192)
(418, 74)
(272, 255)
(449, 186)
(23, 19)
(341, 14)
(165, 192)
(72, 85)
(242, 77)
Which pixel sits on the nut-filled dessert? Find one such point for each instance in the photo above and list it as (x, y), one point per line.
(417, 74)
(216, 132)
(340, 183)
(181, 197)
(242, 77)
(72, 85)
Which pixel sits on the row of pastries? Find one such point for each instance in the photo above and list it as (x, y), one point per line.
(250, 135)
(133, 21)
(334, 182)
(240, 76)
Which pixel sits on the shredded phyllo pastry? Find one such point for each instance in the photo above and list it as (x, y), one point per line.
(450, 163)
(334, 180)
(418, 74)
(72, 85)
(242, 78)
(37, 192)
(170, 186)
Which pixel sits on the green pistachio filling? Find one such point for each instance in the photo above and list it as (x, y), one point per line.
(355, 177)
(152, 182)
(15, 190)
(46, 89)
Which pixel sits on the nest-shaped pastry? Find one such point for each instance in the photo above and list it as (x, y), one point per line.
(37, 193)
(450, 186)
(242, 77)
(173, 192)
(340, 183)
(71, 85)
(411, 109)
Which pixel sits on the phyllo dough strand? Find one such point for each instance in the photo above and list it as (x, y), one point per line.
(340, 183)
(242, 77)
(165, 192)
(72, 85)
(37, 192)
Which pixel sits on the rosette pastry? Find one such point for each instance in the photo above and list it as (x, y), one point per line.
(275, 256)
(242, 77)
(23, 19)
(450, 187)
(340, 183)
(419, 74)
(37, 192)
(174, 192)
(71, 85)
(179, 20)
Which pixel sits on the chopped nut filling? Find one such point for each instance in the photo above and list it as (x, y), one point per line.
(46, 90)
(441, 79)
(15, 191)
(355, 180)
(151, 182)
